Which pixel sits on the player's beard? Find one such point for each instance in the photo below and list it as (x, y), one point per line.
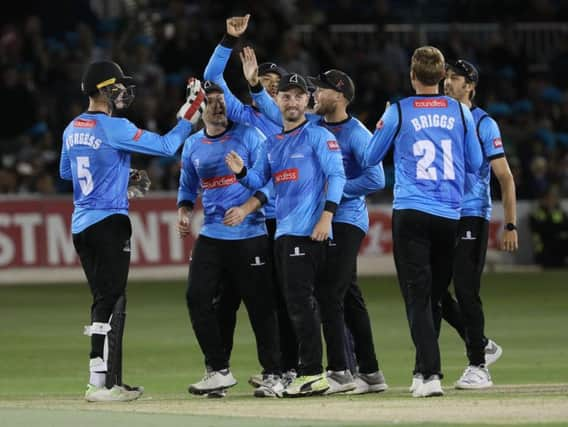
(322, 109)
(293, 114)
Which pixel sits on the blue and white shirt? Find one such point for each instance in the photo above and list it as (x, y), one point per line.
(435, 144)
(307, 171)
(477, 197)
(204, 171)
(96, 156)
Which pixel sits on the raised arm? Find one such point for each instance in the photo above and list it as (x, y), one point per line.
(383, 137)
(260, 96)
(235, 27)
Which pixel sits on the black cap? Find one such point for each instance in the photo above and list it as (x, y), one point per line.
(464, 68)
(292, 80)
(336, 80)
(210, 87)
(270, 67)
(102, 74)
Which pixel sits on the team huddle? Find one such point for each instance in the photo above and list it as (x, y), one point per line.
(283, 189)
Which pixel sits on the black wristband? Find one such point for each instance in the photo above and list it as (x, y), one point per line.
(229, 41)
(256, 88)
(330, 207)
(242, 173)
(261, 197)
(185, 204)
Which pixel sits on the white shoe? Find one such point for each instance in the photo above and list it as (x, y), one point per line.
(213, 380)
(369, 383)
(255, 380)
(429, 388)
(474, 378)
(117, 393)
(271, 386)
(493, 352)
(288, 377)
(340, 382)
(417, 380)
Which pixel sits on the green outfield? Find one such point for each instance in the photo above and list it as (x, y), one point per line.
(44, 362)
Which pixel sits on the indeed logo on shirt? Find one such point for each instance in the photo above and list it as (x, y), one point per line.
(433, 120)
(218, 182)
(286, 175)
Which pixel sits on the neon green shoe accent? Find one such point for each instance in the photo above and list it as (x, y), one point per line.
(307, 385)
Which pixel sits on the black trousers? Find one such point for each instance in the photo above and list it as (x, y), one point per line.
(341, 301)
(299, 261)
(104, 252)
(423, 254)
(359, 325)
(245, 265)
(469, 261)
(230, 300)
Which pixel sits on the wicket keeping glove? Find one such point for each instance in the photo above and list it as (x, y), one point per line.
(138, 183)
(195, 102)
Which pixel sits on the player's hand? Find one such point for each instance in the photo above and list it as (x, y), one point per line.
(234, 216)
(138, 183)
(237, 25)
(250, 65)
(183, 225)
(320, 232)
(510, 241)
(234, 162)
(195, 102)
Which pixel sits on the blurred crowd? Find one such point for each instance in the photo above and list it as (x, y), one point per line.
(45, 46)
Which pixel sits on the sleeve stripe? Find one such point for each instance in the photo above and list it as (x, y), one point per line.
(496, 156)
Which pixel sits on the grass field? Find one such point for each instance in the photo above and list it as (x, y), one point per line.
(44, 362)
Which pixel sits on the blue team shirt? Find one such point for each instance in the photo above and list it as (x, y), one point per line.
(435, 144)
(204, 170)
(96, 156)
(477, 197)
(353, 138)
(236, 110)
(306, 168)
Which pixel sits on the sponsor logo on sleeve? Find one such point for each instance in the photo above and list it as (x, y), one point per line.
(430, 103)
(138, 134)
(286, 175)
(333, 145)
(497, 143)
(218, 182)
(84, 123)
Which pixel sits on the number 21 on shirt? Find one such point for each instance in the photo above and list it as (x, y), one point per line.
(428, 152)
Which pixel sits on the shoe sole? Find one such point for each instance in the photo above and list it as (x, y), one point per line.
(473, 386)
(217, 394)
(130, 399)
(261, 394)
(376, 388)
(201, 392)
(433, 394)
(306, 394)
